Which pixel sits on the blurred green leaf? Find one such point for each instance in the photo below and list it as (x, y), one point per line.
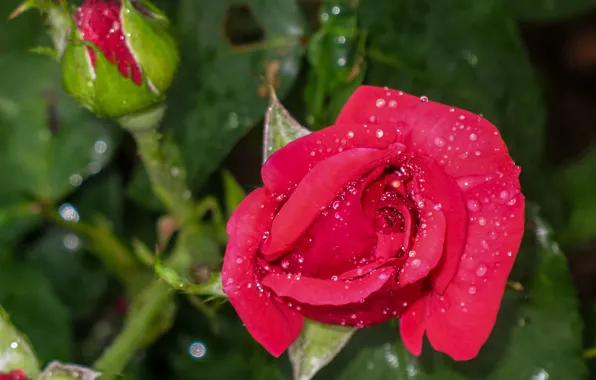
(34, 308)
(316, 346)
(537, 335)
(51, 143)
(230, 98)
(234, 193)
(577, 183)
(21, 33)
(547, 10)
(15, 350)
(77, 277)
(465, 53)
(335, 53)
(280, 128)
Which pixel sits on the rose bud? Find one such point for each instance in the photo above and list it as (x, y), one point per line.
(16, 374)
(405, 208)
(121, 58)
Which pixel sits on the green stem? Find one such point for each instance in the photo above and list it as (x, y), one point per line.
(131, 338)
(162, 162)
(402, 359)
(113, 253)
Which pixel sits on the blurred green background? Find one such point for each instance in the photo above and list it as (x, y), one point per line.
(528, 66)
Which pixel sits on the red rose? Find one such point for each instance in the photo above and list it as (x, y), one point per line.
(404, 208)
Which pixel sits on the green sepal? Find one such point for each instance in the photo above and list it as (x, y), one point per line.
(152, 45)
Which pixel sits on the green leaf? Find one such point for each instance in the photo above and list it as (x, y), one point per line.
(15, 349)
(33, 307)
(77, 278)
(537, 335)
(577, 183)
(316, 346)
(234, 193)
(280, 127)
(59, 371)
(548, 10)
(465, 53)
(52, 144)
(230, 98)
(335, 53)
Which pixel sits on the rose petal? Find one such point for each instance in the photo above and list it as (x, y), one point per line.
(446, 197)
(340, 238)
(314, 291)
(270, 322)
(464, 143)
(461, 320)
(286, 167)
(411, 326)
(316, 191)
(378, 307)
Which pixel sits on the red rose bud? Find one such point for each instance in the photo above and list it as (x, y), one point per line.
(121, 59)
(16, 374)
(405, 208)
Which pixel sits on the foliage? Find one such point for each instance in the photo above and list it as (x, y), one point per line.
(81, 219)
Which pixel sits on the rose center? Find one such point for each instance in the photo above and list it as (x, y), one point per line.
(388, 220)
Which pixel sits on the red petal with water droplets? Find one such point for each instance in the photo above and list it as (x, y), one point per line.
(288, 166)
(460, 320)
(316, 191)
(339, 239)
(269, 320)
(314, 291)
(411, 326)
(99, 23)
(387, 303)
(464, 143)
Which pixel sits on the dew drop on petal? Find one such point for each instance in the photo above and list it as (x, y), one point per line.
(424, 99)
(473, 137)
(285, 264)
(380, 103)
(416, 263)
(482, 221)
(439, 142)
(472, 290)
(481, 270)
(504, 194)
(392, 104)
(473, 205)
(350, 134)
(379, 133)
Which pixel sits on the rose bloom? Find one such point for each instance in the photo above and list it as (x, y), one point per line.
(404, 208)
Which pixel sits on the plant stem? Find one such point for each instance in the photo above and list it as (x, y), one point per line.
(161, 159)
(116, 356)
(113, 253)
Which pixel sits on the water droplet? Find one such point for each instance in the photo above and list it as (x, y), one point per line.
(461, 117)
(68, 213)
(353, 316)
(285, 263)
(380, 103)
(412, 253)
(334, 278)
(416, 263)
(335, 10)
(392, 104)
(481, 270)
(100, 147)
(335, 205)
(350, 134)
(482, 221)
(473, 205)
(439, 142)
(71, 241)
(76, 180)
(504, 194)
(472, 290)
(379, 133)
(473, 137)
